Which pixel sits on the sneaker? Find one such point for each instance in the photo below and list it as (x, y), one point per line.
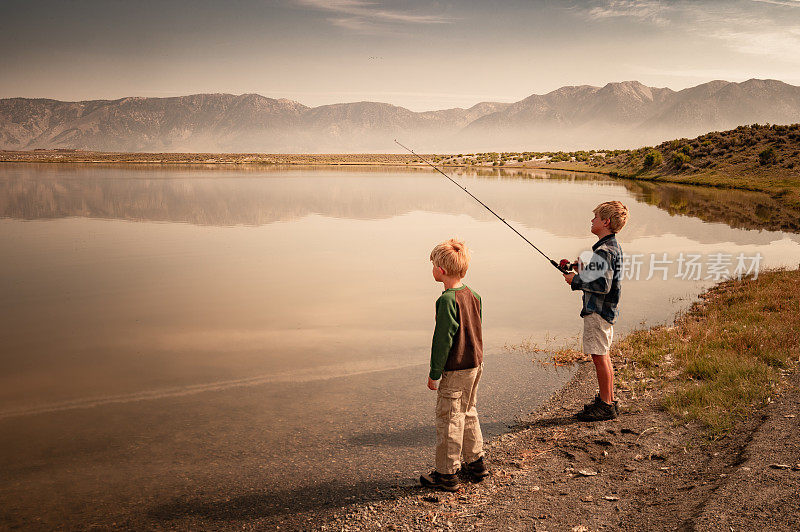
(477, 470)
(598, 411)
(598, 400)
(441, 481)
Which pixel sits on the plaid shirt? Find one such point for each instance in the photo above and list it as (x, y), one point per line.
(601, 279)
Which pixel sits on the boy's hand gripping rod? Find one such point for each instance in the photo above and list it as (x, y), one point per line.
(563, 267)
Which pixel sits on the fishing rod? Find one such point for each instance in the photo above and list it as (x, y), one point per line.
(564, 266)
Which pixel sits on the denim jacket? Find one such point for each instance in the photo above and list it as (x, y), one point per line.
(601, 280)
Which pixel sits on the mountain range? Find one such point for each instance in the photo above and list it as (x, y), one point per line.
(618, 115)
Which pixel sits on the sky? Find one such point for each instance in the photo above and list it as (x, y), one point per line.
(419, 55)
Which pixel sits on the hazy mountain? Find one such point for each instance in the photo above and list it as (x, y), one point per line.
(625, 114)
(720, 105)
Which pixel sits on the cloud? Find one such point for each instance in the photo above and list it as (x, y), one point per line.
(366, 17)
(789, 3)
(652, 11)
(782, 44)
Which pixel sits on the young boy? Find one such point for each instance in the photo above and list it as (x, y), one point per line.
(456, 359)
(600, 282)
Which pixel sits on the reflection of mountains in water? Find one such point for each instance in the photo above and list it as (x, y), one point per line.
(245, 196)
(258, 196)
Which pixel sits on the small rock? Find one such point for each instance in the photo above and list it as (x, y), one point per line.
(638, 457)
(663, 468)
(430, 498)
(579, 528)
(744, 469)
(780, 466)
(587, 472)
(587, 498)
(535, 488)
(789, 416)
(611, 498)
(629, 467)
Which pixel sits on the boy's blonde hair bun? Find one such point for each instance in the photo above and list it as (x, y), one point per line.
(614, 211)
(452, 256)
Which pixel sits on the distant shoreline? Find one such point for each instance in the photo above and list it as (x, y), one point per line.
(320, 159)
(754, 158)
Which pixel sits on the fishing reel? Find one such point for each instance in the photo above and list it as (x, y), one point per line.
(568, 267)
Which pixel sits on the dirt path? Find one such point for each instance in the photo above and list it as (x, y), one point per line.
(763, 490)
(639, 472)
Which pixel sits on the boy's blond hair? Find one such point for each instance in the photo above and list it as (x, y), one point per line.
(614, 211)
(452, 256)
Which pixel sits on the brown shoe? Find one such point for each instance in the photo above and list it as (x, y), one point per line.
(597, 411)
(477, 470)
(441, 481)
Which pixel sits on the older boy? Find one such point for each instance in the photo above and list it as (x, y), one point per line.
(600, 281)
(456, 359)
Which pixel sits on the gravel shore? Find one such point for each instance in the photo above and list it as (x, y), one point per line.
(643, 471)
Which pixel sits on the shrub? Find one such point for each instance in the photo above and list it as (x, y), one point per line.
(768, 156)
(653, 159)
(679, 159)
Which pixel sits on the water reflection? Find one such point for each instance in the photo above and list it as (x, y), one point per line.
(261, 196)
(736, 208)
(269, 272)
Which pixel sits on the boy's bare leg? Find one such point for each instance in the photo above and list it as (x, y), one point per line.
(605, 376)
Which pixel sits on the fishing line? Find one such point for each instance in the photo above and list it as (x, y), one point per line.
(554, 263)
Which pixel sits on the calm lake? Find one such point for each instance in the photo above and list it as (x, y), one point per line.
(186, 345)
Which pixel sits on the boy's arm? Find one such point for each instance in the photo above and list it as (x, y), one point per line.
(443, 333)
(601, 285)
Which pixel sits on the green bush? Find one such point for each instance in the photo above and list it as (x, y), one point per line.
(679, 159)
(653, 159)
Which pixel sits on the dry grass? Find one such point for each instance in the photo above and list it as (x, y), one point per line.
(722, 358)
(554, 351)
(718, 361)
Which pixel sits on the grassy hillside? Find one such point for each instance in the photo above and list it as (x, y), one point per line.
(753, 157)
(763, 158)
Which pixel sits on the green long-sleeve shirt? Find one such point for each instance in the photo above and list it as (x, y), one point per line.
(457, 337)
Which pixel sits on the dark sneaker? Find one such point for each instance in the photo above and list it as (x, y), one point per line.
(598, 411)
(477, 470)
(598, 400)
(437, 480)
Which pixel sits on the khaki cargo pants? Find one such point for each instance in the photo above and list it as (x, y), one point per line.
(457, 429)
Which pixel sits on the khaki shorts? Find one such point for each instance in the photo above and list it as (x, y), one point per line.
(597, 334)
